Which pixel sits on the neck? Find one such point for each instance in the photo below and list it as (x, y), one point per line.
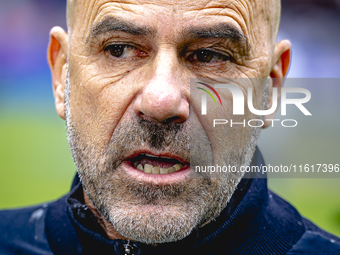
(109, 229)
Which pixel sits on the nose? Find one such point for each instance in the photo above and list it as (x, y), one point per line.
(165, 96)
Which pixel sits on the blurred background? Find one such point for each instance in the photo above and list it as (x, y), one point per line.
(35, 162)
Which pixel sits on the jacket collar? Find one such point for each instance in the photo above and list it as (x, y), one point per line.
(254, 220)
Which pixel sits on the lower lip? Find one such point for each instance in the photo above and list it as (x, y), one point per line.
(175, 177)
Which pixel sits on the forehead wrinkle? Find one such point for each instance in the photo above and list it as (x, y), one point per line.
(175, 3)
(241, 11)
(259, 23)
(252, 16)
(97, 10)
(118, 24)
(242, 14)
(226, 9)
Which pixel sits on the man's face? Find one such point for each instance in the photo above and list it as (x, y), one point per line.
(128, 106)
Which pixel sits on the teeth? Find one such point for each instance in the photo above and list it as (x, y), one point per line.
(156, 170)
(177, 167)
(171, 170)
(153, 156)
(149, 169)
(164, 171)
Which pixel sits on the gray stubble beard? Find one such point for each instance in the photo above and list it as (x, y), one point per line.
(174, 210)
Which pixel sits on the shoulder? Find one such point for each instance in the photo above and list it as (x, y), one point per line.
(316, 241)
(22, 231)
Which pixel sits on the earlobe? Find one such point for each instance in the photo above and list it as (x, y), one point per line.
(57, 57)
(279, 70)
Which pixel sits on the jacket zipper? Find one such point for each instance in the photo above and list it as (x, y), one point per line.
(129, 249)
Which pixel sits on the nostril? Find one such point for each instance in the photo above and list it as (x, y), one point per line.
(174, 119)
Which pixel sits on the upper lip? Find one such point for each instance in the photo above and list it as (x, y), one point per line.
(164, 154)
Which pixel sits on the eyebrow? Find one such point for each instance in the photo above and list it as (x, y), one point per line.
(221, 30)
(113, 24)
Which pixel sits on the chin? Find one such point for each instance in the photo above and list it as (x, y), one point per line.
(153, 224)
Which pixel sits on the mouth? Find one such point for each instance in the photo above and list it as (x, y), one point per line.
(157, 169)
(152, 164)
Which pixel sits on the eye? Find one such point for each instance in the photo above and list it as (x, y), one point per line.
(208, 56)
(124, 51)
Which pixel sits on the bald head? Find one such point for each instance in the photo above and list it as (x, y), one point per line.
(268, 10)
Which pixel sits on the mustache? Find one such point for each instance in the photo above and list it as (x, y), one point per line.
(137, 133)
(185, 140)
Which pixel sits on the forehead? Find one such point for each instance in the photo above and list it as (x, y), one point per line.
(166, 16)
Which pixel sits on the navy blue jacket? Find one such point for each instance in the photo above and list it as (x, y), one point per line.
(256, 221)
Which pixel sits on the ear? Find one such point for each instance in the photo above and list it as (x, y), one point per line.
(56, 57)
(279, 70)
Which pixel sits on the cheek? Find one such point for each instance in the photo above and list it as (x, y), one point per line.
(226, 138)
(99, 101)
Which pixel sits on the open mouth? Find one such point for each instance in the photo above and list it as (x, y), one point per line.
(152, 164)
